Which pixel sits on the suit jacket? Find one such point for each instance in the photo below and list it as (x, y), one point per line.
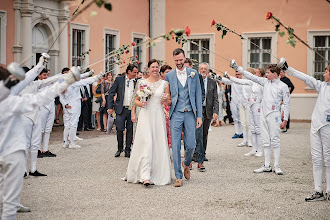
(118, 88)
(195, 93)
(212, 101)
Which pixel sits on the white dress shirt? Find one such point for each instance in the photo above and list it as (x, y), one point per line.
(129, 90)
(182, 76)
(205, 89)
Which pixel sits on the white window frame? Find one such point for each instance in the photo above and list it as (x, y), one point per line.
(210, 37)
(116, 33)
(245, 45)
(3, 31)
(310, 54)
(83, 27)
(143, 58)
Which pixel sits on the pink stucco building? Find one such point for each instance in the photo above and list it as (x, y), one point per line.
(29, 27)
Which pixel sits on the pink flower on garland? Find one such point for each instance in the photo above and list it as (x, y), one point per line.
(188, 31)
(269, 15)
(212, 22)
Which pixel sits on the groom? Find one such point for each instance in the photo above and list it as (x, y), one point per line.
(185, 113)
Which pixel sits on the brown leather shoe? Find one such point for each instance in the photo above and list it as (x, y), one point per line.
(186, 171)
(178, 183)
(200, 167)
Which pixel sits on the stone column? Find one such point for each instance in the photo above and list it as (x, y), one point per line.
(26, 36)
(157, 28)
(17, 48)
(64, 37)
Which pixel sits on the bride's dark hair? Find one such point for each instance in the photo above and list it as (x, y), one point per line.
(152, 61)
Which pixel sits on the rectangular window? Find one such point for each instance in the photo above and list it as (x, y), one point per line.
(199, 50)
(259, 52)
(109, 47)
(138, 51)
(78, 47)
(321, 46)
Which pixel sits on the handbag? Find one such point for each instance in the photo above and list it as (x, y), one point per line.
(98, 89)
(99, 99)
(110, 124)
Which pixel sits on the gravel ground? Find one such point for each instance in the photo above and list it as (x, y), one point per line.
(86, 183)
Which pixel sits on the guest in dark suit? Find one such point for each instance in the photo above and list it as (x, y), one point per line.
(210, 106)
(86, 107)
(123, 87)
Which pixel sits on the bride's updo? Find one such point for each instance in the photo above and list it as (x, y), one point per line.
(152, 61)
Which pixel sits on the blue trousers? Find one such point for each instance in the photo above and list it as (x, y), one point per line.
(185, 121)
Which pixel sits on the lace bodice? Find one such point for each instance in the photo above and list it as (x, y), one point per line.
(157, 89)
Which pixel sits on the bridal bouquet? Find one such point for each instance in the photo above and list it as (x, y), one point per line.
(144, 92)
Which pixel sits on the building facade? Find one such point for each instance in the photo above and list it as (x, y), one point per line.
(29, 27)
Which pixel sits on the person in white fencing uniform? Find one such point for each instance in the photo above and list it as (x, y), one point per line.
(13, 147)
(32, 121)
(320, 128)
(71, 102)
(47, 116)
(254, 113)
(9, 78)
(244, 112)
(274, 91)
(236, 93)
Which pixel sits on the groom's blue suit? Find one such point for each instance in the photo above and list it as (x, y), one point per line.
(186, 107)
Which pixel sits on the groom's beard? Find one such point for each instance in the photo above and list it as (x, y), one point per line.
(179, 66)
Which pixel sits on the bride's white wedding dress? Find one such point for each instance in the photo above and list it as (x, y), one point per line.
(150, 159)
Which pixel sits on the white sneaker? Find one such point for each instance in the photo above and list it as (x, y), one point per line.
(278, 170)
(259, 154)
(250, 154)
(243, 144)
(76, 138)
(65, 145)
(263, 169)
(74, 146)
(250, 144)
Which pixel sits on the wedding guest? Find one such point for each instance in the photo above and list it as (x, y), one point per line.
(139, 75)
(105, 88)
(210, 108)
(228, 100)
(163, 71)
(123, 87)
(221, 98)
(96, 106)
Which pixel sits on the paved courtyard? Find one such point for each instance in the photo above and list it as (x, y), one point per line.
(86, 183)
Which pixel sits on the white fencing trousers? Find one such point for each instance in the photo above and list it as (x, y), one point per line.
(244, 113)
(12, 169)
(71, 116)
(255, 127)
(47, 119)
(320, 148)
(234, 107)
(270, 136)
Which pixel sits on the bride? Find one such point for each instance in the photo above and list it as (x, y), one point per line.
(150, 160)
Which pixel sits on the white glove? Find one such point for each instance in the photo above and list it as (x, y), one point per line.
(226, 75)
(234, 65)
(16, 71)
(44, 59)
(72, 76)
(282, 64)
(15, 74)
